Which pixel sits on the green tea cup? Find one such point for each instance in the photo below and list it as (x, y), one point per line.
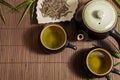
(98, 63)
(54, 38)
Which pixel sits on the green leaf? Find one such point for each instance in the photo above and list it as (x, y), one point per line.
(108, 77)
(117, 64)
(95, 45)
(116, 54)
(33, 11)
(117, 1)
(25, 12)
(7, 4)
(25, 3)
(119, 28)
(2, 16)
(118, 14)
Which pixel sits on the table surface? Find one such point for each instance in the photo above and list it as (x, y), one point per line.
(22, 58)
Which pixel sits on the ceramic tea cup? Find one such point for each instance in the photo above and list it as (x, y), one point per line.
(54, 38)
(98, 63)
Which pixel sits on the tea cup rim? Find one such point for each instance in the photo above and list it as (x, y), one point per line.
(54, 25)
(106, 52)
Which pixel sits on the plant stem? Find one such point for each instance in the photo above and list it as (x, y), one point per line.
(7, 4)
(25, 3)
(114, 45)
(25, 12)
(117, 64)
(33, 11)
(2, 16)
(108, 77)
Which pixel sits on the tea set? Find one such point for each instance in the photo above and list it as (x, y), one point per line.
(95, 20)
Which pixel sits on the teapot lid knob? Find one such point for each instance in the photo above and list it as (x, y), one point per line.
(100, 14)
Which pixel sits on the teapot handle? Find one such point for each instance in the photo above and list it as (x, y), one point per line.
(69, 45)
(115, 35)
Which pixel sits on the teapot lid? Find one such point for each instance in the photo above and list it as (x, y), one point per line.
(99, 16)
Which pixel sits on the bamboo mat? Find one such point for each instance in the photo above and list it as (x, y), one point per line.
(22, 58)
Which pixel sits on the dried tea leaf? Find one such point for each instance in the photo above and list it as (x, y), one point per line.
(117, 64)
(2, 16)
(55, 9)
(25, 12)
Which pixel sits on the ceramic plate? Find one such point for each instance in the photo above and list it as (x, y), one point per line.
(73, 4)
